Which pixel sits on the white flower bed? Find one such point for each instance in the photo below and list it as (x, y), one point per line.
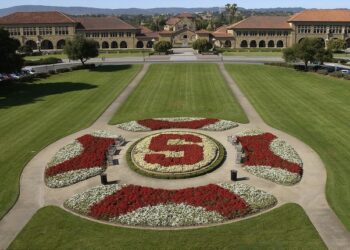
(142, 148)
(66, 153)
(257, 199)
(81, 203)
(104, 134)
(285, 151)
(72, 177)
(169, 215)
(250, 132)
(221, 125)
(277, 175)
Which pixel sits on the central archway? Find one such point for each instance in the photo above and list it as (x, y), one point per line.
(123, 45)
(253, 44)
(271, 44)
(262, 44)
(105, 45)
(139, 45)
(46, 45)
(61, 44)
(244, 44)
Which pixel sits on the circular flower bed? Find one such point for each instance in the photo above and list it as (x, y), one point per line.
(271, 158)
(142, 206)
(79, 160)
(179, 122)
(173, 155)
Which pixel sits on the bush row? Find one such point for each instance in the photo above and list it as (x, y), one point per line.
(43, 61)
(222, 50)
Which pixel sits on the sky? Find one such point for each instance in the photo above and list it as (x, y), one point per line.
(114, 4)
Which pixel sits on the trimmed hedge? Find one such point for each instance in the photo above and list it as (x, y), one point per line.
(214, 165)
(43, 61)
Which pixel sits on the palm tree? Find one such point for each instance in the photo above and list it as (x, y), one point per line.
(231, 10)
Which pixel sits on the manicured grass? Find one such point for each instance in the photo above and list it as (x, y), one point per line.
(175, 90)
(105, 55)
(254, 54)
(286, 227)
(314, 108)
(34, 115)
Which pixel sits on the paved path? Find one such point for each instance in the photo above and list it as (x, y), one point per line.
(309, 193)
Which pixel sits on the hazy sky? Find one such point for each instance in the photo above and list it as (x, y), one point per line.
(182, 3)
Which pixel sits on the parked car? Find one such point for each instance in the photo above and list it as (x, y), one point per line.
(28, 71)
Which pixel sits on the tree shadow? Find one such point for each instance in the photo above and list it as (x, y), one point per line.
(16, 94)
(111, 68)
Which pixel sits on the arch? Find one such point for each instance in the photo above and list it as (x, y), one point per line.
(149, 44)
(139, 45)
(228, 44)
(323, 41)
(271, 44)
(262, 44)
(105, 45)
(114, 45)
(123, 45)
(253, 44)
(31, 44)
(244, 44)
(46, 45)
(302, 39)
(280, 44)
(61, 44)
(348, 43)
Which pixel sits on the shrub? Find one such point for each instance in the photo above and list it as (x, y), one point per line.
(202, 45)
(25, 50)
(337, 74)
(52, 72)
(43, 61)
(162, 46)
(347, 77)
(322, 71)
(86, 66)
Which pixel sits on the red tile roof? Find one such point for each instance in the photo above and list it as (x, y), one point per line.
(52, 17)
(203, 32)
(221, 32)
(321, 16)
(103, 23)
(172, 21)
(262, 22)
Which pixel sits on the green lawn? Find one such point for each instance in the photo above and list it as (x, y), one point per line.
(105, 55)
(314, 108)
(173, 90)
(286, 227)
(36, 114)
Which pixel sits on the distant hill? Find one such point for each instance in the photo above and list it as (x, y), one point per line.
(131, 11)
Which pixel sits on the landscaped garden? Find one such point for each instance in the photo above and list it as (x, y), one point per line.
(181, 90)
(34, 115)
(311, 107)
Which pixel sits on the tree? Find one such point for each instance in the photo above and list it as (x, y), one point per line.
(308, 50)
(162, 46)
(336, 45)
(231, 10)
(9, 60)
(202, 45)
(25, 49)
(81, 49)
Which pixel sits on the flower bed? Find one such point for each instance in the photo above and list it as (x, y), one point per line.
(271, 158)
(174, 155)
(142, 206)
(82, 159)
(179, 122)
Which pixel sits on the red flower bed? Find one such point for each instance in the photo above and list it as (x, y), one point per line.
(193, 153)
(258, 153)
(158, 124)
(93, 155)
(210, 197)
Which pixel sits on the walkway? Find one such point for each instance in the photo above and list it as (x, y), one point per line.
(309, 193)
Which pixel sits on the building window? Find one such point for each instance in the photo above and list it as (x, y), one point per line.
(87, 34)
(245, 33)
(29, 31)
(347, 29)
(335, 29)
(61, 30)
(239, 33)
(113, 34)
(104, 34)
(253, 33)
(306, 29)
(320, 29)
(271, 33)
(121, 34)
(128, 34)
(13, 31)
(286, 33)
(95, 34)
(45, 31)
